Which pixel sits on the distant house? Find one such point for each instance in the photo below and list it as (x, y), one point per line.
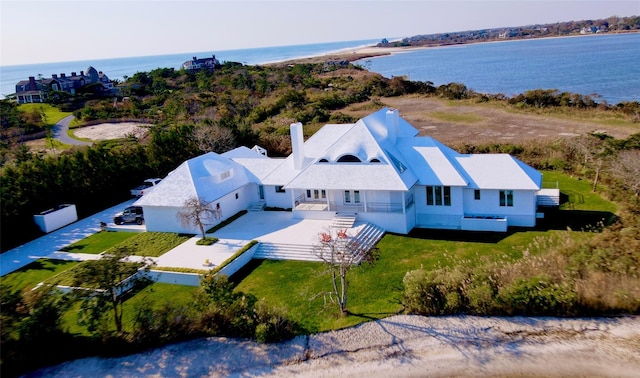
(377, 169)
(196, 64)
(36, 90)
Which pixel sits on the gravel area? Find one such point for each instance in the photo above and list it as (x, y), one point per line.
(105, 131)
(399, 346)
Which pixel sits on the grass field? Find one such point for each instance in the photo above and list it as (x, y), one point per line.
(53, 114)
(374, 291)
(30, 275)
(98, 243)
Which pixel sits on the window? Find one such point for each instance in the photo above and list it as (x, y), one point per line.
(349, 159)
(506, 198)
(280, 189)
(476, 194)
(347, 196)
(225, 175)
(316, 194)
(438, 196)
(236, 195)
(356, 196)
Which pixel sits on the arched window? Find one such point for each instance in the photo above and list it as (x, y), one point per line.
(349, 159)
(323, 160)
(374, 160)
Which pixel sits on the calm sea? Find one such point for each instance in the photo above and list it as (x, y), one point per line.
(119, 67)
(604, 65)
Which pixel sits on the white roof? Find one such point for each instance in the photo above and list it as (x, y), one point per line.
(499, 171)
(204, 177)
(431, 161)
(259, 165)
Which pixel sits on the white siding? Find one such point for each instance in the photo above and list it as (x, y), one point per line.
(438, 216)
(277, 199)
(522, 213)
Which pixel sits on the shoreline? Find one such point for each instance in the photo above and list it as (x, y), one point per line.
(360, 53)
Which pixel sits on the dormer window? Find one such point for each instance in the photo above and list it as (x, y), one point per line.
(323, 160)
(225, 175)
(374, 160)
(349, 159)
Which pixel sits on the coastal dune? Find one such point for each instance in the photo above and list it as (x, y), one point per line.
(401, 345)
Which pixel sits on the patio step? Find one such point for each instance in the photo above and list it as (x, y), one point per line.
(365, 240)
(257, 206)
(343, 220)
(368, 236)
(281, 251)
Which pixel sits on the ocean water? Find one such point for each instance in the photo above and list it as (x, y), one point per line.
(603, 66)
(606, 67)
(117, 68)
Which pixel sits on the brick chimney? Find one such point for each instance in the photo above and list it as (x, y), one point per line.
(55, 76)
(32, 83)
(73, 74)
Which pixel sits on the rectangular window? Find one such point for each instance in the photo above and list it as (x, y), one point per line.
(280, 189)
(506, 198)
(438, 196)
(347, 196)
(236, 195)
(323, 193)
(356, 196)
(476, 194)
(308, 193)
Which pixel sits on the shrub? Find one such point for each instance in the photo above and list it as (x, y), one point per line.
(537, 296)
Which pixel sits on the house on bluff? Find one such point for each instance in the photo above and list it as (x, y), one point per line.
(37, 90)
(377, 170)
(196, 64)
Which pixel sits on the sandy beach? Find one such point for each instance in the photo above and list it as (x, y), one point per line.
(398, 346)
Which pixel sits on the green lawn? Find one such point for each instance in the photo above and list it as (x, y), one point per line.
(151, 244)
(374, 291)
(100, 242)
(30, 275)
(53, 114)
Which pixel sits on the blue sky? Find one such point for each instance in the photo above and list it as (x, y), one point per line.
(52, 31)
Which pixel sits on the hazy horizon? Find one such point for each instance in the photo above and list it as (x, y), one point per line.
(49, 31)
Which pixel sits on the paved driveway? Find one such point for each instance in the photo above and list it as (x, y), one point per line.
(54, 241)
(60, 130)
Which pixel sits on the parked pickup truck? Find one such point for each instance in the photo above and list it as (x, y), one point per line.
(148, 183)
(129, 215)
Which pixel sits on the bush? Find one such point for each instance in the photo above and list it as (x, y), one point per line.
(537, 296)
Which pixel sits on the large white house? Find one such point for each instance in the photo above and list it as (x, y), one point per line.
(377, 169)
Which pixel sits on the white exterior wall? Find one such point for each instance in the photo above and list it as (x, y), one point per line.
(275, 199)
(438, 216)
(166, 219)
(522, 213)
(56, 219)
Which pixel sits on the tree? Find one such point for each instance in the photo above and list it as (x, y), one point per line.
(213, 138)
(198, 212)
(105, 282)
(627, 169)
(341, 252)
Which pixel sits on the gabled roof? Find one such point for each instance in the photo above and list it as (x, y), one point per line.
(499, 171)
(257, 164)
(204, 177)
(431, 161)
(380, 166)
